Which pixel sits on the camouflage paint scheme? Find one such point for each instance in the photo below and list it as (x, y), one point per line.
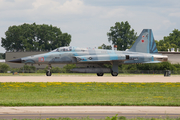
(143, 51)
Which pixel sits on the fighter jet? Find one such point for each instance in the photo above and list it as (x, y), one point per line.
(144, 50)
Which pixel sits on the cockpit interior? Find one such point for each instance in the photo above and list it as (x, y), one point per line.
(63, 49)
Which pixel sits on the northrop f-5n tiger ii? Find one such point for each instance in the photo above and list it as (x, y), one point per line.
(144, 50)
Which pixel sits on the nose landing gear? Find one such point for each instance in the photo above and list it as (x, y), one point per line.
(48, 73)
(100, 74)
(114, 73)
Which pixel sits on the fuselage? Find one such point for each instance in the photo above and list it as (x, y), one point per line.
(73, 55)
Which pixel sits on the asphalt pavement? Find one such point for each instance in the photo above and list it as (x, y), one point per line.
(88, 111)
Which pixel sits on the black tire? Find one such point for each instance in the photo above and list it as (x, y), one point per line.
(100, 74)
(114, 73)
(48, 73)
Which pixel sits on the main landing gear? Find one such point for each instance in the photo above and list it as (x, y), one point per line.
(48, 73)
(112, 73)
(114, 70)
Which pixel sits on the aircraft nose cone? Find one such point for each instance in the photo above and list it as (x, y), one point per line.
(15, 61)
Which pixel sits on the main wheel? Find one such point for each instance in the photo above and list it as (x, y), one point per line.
(114, 73)
(48, 73)
(100, 74)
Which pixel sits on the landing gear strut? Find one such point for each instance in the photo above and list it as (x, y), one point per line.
(114, 71)
(48, 73)
(100, 74)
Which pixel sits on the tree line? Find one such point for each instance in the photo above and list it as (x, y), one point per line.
(171, 41)
(33, 37)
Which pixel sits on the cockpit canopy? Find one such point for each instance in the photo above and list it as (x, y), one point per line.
(63, 49)
(69, 48)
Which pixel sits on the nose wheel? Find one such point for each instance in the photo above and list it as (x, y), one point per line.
(48, 73)
(114, 73)
(100, 74)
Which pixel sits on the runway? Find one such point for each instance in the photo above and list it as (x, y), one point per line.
(131, 78)
(91, 111)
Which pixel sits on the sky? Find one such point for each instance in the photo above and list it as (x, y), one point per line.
(88, 21)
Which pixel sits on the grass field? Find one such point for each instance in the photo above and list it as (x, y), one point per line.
(92, 93)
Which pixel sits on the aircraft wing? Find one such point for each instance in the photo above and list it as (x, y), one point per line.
(100, 58)
(152, 62)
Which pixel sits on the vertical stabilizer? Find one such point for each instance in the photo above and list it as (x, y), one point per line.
(145, 43)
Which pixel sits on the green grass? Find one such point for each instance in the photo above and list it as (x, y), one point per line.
(90, 93)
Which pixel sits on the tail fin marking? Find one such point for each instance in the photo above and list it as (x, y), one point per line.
(145, 43)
